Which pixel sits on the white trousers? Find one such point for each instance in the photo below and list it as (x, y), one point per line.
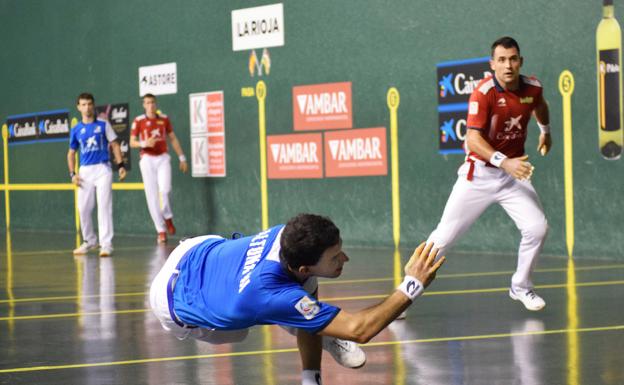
(96, 182)
(160, 305)
(156, 173)
(468, 201)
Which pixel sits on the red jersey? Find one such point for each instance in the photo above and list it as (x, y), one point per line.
(158, 127)
(503, 115)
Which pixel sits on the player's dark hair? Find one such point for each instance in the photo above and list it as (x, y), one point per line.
(305, 238)
(506, 42)
(85, 96)
(151, 96)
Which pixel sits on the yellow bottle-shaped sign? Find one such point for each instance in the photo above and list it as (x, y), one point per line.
(609, 59)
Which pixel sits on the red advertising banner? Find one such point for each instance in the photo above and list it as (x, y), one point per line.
(207, 121)
(216, 155)
(295, 156)
(214, 111)
(322, 106)
(358, 152)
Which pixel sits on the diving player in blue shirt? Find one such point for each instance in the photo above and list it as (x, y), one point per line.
(214, 289)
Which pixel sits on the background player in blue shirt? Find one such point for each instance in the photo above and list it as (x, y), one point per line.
(214, 289)
(92, 137)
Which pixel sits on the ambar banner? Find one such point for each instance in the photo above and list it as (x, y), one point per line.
(356, 152)
(295, 156)
(39, 126)
(322, 106)
(456, 81)
(118, 117)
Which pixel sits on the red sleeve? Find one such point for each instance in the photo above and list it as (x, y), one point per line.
(168, 127)
(478, 110)
(134, 131)
(539, 99)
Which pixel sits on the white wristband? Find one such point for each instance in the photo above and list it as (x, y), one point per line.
(497, 158)
(544, 128)
(182, 158)
(411, 287)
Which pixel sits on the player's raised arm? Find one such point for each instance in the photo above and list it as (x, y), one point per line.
(363, 325)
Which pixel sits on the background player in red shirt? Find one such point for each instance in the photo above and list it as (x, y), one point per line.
(149, 133)
(497, 169)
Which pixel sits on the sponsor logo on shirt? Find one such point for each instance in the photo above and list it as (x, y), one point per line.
(307, 307)
(253, 255)
(503, 103)
(527, 100)
(473, 108)
(513, 123)
(91, 144)
(512, 130)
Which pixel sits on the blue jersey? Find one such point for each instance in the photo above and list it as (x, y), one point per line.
(92, 139)
(235, 284)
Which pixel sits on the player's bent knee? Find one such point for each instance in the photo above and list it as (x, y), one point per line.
(537, 230)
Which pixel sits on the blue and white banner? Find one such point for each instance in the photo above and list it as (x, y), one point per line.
(36, 127)
(456, 81)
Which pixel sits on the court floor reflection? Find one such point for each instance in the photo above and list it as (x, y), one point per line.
(86, 321)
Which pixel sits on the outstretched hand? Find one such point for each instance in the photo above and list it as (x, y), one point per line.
(423, 265)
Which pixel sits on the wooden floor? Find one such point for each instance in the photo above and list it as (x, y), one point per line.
(66, 320)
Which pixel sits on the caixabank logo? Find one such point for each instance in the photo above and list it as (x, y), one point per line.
(456, 80)
(39, 126)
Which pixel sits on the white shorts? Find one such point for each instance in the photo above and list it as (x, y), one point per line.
(160, 304)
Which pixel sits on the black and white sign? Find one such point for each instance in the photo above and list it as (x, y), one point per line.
(258, 27)
(118, 117)
(160, 79)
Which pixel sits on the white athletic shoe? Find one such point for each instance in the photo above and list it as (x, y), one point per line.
(346, 353)
(84, 248)
(106, 251)
(529, 299)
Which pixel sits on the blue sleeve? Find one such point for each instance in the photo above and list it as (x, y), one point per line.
(73, 141)
(299, 309)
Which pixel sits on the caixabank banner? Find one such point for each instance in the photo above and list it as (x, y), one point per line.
(38, 127)
(456, 81)
(118, 117)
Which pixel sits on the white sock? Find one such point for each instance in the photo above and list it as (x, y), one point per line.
(311, 377)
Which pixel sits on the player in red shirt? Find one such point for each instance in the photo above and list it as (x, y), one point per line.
(497, 169)
(149, 133)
